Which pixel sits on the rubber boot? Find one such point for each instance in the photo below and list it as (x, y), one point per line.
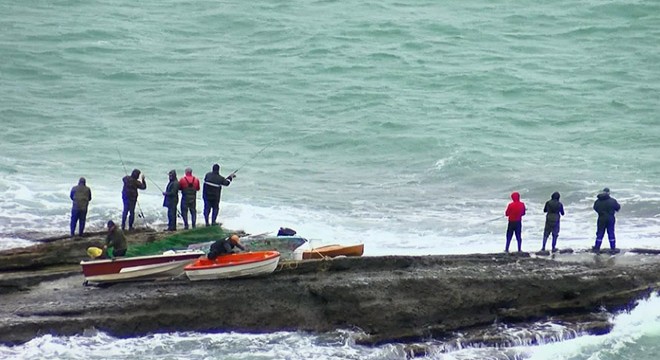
(596, 247)
(554, 244)
(545, 240)
(612, 246)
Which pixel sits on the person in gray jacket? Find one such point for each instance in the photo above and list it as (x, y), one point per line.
(81, 195)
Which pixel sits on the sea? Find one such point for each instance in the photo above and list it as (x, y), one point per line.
(402, 125)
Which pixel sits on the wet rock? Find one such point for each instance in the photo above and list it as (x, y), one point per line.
(407, 299)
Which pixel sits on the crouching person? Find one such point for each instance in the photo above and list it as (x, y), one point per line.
(116, 240)
(225, 246)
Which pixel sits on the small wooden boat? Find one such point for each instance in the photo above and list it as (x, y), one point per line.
(233, 265)
(166, 265)
(285, 245)
(333, 251)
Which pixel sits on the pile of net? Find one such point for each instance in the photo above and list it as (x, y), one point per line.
(178, 241)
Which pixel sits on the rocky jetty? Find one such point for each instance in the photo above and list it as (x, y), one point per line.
(386, 299)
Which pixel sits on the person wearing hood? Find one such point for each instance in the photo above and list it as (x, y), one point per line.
(554, 210)
(514, 211)
(129, 195)
(116, 240)
(81, 195)
(213, 183)
(606, 206)
(189, 186)
(171, 199)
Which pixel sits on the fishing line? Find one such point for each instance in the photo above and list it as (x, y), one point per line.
(141, 214)
(253, 156)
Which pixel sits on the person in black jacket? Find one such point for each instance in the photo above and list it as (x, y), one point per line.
(224, 246)
(555, 210)
(213, 183)
(129, 195)
(171, 199)
(606, 206)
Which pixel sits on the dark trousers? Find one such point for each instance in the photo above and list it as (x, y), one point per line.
(514, 227)
(211, 206)
(129, 209)
(605, 224)
(551, 227)
(189, 206)
(171, 217)
(78, 217)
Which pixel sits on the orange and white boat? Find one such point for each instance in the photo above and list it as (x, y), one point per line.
(333, 251)
(233, 265)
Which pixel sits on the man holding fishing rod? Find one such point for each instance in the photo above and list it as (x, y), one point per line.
(213, 183)
(129, 195)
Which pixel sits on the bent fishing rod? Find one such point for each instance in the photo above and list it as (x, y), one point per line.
(252, 157)
(141, 214)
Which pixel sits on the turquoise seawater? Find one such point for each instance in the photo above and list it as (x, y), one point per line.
(403, 125)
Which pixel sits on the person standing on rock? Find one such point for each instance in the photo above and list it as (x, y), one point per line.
(606, 206)
(189, 186)
(129, 195)
(81, 195)
(514, 211)
(116, 240)
(171, 199)
(213, 183)
(554, 210)
(225, 246)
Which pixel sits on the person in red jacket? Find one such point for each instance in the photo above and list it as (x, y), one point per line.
(189, 186)
(514, 211)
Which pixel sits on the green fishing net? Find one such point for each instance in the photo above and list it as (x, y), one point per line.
(179, 240)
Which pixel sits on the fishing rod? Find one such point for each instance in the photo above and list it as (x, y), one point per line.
(252, 157)
(178, 213)
(141, 214)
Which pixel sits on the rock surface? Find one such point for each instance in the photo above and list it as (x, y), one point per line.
(389, 299)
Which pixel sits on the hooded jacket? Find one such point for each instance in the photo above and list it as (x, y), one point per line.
(606, 206)
(213, 183)
(81, 195)
(554, 208)
(516, 209)
(131, 186)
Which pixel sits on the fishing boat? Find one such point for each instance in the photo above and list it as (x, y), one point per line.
(166, 265)
(333, 251)
(285, 245)
(233, 265)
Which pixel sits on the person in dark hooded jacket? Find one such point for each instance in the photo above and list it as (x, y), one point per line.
(555, 210)
(213, 183)
(514, 211)
(81, 196)
(606, 206)
(129, 195)
(171, 199)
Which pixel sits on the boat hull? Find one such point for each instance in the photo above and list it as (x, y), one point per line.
(137, 268)
(334, 251)
(233, 266)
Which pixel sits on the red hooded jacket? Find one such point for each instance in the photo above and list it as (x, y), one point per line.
(516, 209)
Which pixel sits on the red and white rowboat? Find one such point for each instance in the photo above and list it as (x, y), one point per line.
(167, 265)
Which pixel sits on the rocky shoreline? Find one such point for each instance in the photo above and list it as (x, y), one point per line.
(406, 299)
